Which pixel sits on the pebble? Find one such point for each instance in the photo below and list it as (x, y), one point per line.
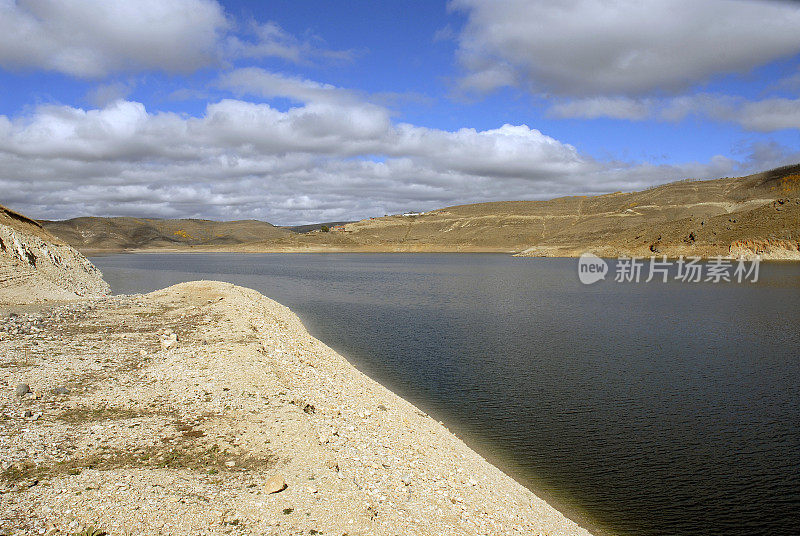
(23, 389)
(275, 484)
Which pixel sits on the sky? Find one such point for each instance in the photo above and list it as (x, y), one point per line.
(301, 111)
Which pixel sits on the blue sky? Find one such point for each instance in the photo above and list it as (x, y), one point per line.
(301, 111)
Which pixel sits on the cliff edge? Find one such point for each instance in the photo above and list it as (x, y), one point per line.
(36, 266)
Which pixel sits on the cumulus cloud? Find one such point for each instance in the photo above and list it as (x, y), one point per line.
(330, 157)
(619, 47)
(90, 38)
(315, 161)
(333, 155)
(94, 38)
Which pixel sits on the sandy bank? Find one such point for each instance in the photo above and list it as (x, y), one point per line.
(143, 433)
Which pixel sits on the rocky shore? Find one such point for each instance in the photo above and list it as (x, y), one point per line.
(207, 408)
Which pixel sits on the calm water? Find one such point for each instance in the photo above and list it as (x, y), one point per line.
(638, 409)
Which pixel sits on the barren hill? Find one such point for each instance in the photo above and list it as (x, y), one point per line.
(744, 215)
(315, 226)
(134, 233)
(35, 265)
(756, 214)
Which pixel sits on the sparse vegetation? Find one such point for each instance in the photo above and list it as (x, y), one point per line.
(91, 531)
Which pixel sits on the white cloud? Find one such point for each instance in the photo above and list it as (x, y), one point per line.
(125, 131)
(104, 94)
(94, 38)
(596, 107)
(314, 161)
(258, 82)
(613, 47)
(255, 81)
(330, 157)
(765, 115)
(769, 114)
(269, 40)
(90, 38)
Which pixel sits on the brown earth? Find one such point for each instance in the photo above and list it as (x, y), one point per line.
(88, 234)
(757, 214)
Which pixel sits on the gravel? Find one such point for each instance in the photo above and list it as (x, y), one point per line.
(193, 438)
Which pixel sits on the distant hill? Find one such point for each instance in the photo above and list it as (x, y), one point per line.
(315, 226)
(90, 233)
(757, 214)
(741, 215)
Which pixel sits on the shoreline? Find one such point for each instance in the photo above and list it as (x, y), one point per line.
(783, 255)
(243, 373)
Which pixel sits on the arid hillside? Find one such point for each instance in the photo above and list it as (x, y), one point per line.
(37, 266)
(757, 214)
(134, 233)
(744, 215)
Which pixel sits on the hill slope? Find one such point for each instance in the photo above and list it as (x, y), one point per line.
(135, 233)
(35, 265)
(744, 215)
(757, 214)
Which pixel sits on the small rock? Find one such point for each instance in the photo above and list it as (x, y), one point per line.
(27, 414)
(23, 389)
(61, 391)
(275, 484)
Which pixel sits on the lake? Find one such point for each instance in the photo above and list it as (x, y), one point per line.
(635, 408)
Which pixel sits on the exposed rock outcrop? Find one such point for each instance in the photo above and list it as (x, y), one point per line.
(771, 249)
(36, 266)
